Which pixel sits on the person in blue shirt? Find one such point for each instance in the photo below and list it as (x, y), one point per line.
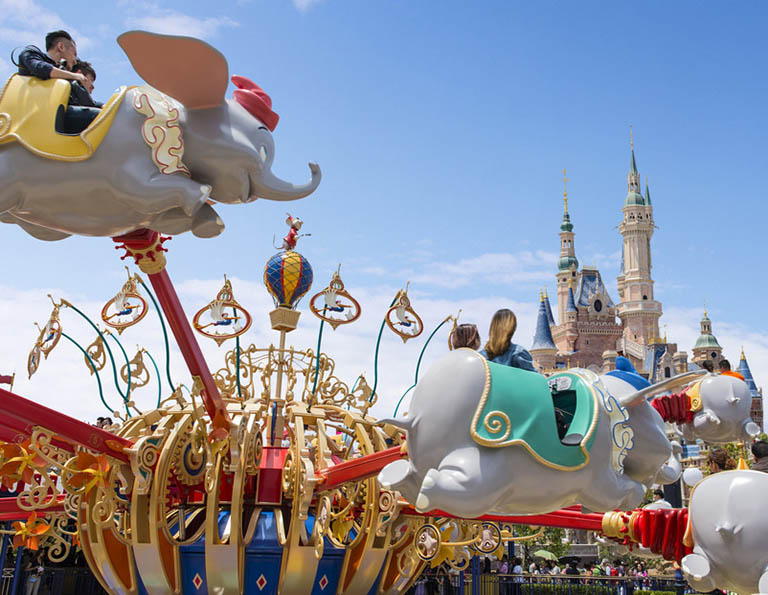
(500, 349)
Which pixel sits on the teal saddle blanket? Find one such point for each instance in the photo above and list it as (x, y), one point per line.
(518, 407)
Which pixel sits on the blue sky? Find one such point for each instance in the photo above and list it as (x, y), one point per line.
(442, 129)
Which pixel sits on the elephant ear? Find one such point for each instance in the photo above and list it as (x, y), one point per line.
(187, 69)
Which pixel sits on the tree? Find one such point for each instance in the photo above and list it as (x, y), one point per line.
(551, 539)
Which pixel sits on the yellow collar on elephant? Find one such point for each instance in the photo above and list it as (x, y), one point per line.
(28, 109)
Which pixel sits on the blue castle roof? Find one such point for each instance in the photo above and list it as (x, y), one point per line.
(591, 283)
(744, 370)
(550, 316)
(570, 305)
(543, 337)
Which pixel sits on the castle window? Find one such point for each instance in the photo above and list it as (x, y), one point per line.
(645, 297)
(667, 372)
(714, 355)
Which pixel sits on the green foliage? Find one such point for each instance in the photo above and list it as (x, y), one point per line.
(551, 540)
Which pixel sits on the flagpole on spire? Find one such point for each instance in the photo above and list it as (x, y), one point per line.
(565, 191)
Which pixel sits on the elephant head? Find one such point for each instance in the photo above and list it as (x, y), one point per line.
(724, 413)
(227, 142)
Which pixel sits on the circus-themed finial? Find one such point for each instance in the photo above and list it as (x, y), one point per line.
(402, 319)
(294, 226)
(337, 305)
(223, 318)
(127, 308)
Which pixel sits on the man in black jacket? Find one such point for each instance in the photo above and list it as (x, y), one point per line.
(60, 55)
(81, 94)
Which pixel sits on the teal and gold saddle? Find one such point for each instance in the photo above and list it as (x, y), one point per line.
(554, 418)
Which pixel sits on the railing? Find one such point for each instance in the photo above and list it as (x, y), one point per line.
(55, 581)
(536, 584)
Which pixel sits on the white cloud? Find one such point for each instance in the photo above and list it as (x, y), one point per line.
(305, 5)
(533, 267)
(24, 22)
(157, 19)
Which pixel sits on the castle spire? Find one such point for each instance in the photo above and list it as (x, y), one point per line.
(543, 337)
(566, 225)
(634, 196)
(647, 193)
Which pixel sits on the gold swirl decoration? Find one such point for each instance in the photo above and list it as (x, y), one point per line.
(5, 123)
(497, 422)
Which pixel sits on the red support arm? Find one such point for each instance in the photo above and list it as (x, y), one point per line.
(12, 428)
(357, 469)
(10, 511)
(145, 246)
(567, 518)
(67, 428)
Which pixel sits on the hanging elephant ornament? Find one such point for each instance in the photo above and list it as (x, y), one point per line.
(223, 318)
(126, 308)
(47, 339)
(334, 304)
(402, 319)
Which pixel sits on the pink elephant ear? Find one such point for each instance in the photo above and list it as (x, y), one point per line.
(187, 69)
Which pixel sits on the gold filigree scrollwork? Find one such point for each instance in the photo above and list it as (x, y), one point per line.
(139, 374)
(97, 354)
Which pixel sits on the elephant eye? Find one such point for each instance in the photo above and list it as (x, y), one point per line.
(263, 128)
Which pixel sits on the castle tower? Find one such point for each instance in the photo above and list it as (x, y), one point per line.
(543, 349)
(757, 394)
(568, 265)
(707, 347)
(570, 320)
(638, 310)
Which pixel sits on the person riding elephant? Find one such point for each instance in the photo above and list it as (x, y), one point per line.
(500, 349)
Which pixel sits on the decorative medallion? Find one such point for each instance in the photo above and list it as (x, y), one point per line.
(489, 539)
(126, 308)
(323, 582)
(427, 541)
(337, 306)
(402, 318)
(223, 318)
(261, 582)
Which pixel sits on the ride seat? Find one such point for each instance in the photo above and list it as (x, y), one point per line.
(72, 120)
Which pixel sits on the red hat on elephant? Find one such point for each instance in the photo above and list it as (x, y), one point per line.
(255, 100)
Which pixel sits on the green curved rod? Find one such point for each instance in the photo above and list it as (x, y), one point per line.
(418, 365)
(109, 351)
(317, 362)
(127, 362)
(157, 374)
(93, 367)
(376, 355)
(237, 366)
(165, 332)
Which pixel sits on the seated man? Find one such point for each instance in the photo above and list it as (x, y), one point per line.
(81, 94)
(61, 55)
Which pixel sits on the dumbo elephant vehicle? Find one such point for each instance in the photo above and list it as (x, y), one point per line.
(485, 438)
(156, 156)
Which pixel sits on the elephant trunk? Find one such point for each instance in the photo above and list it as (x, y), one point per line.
(269, 186)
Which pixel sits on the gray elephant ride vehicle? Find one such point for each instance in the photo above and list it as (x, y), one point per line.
(156, 156)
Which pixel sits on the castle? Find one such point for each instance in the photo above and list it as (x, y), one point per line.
(592, 330)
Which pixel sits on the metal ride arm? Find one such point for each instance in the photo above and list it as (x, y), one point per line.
(67, 428)
(145, 247)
